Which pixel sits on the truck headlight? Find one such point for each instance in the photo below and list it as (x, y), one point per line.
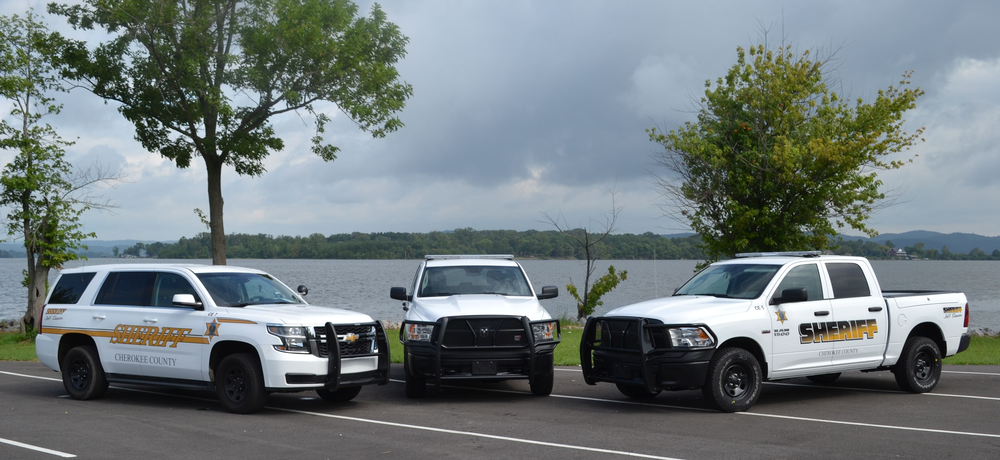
(544, 332)
(419, 332)
(293, 338)
(690, 337)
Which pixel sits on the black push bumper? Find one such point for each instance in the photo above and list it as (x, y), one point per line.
(638, 351)
(491, 354)
(334, 379)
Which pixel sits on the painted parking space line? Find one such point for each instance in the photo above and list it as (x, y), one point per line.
(36, 448)
(972, 373)
(869, 425)
(875, 390)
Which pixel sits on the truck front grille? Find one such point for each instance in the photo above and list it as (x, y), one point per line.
(624, 334)
(485, 332)
(362, 340)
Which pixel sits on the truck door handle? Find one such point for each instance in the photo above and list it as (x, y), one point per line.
(99, 317)
(150, 320)
(822, 313)
(874, 308)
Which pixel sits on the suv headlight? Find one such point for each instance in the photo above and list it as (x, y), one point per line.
(293, 338)
(544, 332)
(690, 337)
(419, 332)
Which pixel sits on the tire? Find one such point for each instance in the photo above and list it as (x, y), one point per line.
(239, 383)
(734, 380)
(919, 366)
(824, 378)
(416, 386)
(543, 384)
(636, 391)
(82, 373)
(341, 395)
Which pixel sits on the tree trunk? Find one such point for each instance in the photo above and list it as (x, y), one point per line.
(215, 211)
(37, 281)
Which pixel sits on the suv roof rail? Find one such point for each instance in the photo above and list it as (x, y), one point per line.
(469, 256)
(779, 254)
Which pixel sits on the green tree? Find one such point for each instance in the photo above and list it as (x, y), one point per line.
(204, 77)
(776, 160)
(44, 195)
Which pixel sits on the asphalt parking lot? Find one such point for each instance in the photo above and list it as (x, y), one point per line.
(860, 416)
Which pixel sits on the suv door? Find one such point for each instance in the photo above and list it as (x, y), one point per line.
(860, 313)
(184, 331)
(116, 310)
(798, 329)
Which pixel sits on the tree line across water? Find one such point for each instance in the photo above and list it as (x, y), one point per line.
(548, 244)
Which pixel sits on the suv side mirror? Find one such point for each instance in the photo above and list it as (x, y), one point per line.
(548, 292)
(791, 296)
(303, 290)
(186, 300)
(399, 293)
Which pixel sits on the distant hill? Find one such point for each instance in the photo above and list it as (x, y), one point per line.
(957, 242)
(95, 248)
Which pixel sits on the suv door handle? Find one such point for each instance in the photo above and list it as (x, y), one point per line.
(822, 313)
(99, 317)
(150, 320)
(874, 308)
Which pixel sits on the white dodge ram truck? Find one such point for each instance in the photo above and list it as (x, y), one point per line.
(236, 331)
(475, 318)
(774, 316)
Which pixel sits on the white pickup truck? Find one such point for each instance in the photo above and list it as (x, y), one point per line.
(771, 316)
(475, 318)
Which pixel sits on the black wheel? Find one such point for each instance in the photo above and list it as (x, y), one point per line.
(543, 384)
(82, 373)
(919, 366)
(824, 378)
(341, 395)
(636, 391)
(416, 386)
(239, 382)
(734, 380)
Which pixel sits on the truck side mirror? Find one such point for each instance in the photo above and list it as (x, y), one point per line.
(791, 296)
(186, 300)
(303, 290)
(399, 293)
(548, 292)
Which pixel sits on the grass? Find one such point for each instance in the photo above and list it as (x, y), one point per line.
(983, 350)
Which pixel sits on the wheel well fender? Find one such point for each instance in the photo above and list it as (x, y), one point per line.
(226, 348)
(71, 341)
(750, 345)
(931, 331)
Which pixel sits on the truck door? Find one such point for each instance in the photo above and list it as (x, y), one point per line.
(799, 337)
(182, 332)
(116, 314)
(860, 330)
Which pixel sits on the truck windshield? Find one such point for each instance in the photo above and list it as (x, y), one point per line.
(473, 279)
(737, 281)
(242, 289)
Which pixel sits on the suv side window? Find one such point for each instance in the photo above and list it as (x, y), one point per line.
(127, 288)
(803, 276)
(70, 287)
(169, 284)
(847, 280)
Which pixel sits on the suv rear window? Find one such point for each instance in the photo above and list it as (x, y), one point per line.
(127, 288)
(70, 287)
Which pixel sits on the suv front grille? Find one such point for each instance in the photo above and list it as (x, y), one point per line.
(485, 332)
(363, 342)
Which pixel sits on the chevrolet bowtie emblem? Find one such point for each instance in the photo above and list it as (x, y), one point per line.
(351, 338)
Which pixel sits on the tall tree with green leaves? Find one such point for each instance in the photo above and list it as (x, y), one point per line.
(45, 196)
(205, 77)
(777, 160)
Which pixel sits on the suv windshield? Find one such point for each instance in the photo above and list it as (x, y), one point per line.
(738, 281)
(242, 289)
(473, 279)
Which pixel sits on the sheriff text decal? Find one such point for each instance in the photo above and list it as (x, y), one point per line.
(152, 336)
(837, 331)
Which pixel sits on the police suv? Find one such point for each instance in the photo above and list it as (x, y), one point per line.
(774, 316)
(237, 331)
(475, 318)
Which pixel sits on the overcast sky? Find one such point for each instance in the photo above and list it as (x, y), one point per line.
(527, 107)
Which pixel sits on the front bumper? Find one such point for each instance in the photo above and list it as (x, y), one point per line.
(335, 370)
(442, 359)
(634, 351)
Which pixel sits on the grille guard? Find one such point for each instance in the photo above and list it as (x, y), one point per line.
(333, 376)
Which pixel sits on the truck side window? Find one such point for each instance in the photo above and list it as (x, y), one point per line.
(848, 280)
(127, 288)
(803, 276)
(169, 284)
(70, 287)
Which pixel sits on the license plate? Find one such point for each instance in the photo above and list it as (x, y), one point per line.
(484, 368)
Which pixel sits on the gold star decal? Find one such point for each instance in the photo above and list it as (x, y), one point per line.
(212, 329)
(781, 316)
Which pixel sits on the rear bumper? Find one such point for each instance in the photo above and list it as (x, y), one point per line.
(963, 344)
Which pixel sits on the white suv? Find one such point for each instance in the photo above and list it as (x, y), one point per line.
(237, 331)
(476, 318)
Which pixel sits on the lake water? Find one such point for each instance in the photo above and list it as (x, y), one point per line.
(363, 285)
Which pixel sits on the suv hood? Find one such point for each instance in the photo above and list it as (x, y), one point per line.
(434, 308)
(683, 309)
(299, 314)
